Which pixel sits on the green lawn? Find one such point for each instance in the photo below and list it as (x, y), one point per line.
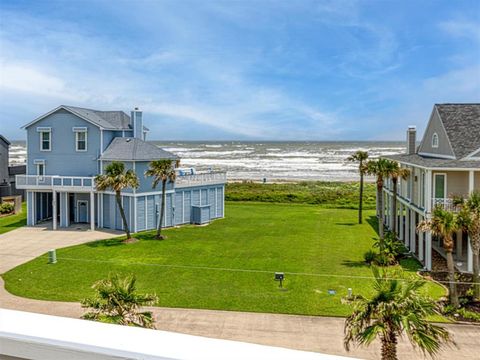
(11, 222)
(191, 268)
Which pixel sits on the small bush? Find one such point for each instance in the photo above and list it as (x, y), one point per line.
(369, 256)
(6, 208)
(384, 260)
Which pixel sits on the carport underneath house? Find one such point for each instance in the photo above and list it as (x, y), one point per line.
(67, 200)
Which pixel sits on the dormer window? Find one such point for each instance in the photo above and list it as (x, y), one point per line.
(435, 140)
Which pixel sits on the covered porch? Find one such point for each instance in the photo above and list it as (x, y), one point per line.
(62, 209)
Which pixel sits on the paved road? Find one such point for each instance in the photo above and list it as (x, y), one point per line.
(321, 334)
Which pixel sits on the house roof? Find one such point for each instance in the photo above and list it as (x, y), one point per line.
(111, 120)
(134, 149)
(5, 140)
(462, 124)
(431, 163)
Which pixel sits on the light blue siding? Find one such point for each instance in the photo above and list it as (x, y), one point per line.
(187, 207)
(220, 202)
(151, 212)
(141, 213)
(59, 161)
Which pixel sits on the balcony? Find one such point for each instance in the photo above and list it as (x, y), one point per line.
(55, 182)
(200, 179)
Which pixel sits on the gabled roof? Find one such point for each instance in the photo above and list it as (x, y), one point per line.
(5, 140)
(110, 120)
(462, 124)
(134, 149)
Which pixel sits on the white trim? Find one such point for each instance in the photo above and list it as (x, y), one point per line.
(183, 207)
(133, 166)
(59, 108)
(444, 185)
(146, 211)
(76, 141)
(49, 140)
(135, 215)
(435, 168)
(440, 156)
(77, 217)
(435, 143)
(472, 156)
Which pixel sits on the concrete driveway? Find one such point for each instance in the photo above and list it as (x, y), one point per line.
(26, 243)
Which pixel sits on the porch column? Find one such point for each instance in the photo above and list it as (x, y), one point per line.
(413, 226)
(400, 222)
(54, 212)
(469, 256)
(471, 180)
(421, 245)
(428, 250)
(407, 228)
(92, 210)
(30, 208)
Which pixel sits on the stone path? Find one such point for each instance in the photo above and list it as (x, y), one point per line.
(321, 334)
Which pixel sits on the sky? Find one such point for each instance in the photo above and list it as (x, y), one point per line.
(241, 70)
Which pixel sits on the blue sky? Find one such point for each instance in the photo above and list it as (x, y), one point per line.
(300, 70)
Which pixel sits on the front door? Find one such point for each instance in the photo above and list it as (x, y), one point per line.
(82, 211)
(440, 186)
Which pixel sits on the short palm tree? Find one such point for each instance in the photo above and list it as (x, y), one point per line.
(382, 169)
(469, 220)
(360, 157)
(444, 224)
(161, 171)
(117, 301)
(395, 309)
(116, 178)
(396, 174)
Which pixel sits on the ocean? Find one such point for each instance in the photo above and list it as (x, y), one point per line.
(273, 160)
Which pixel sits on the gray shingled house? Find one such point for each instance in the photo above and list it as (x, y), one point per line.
(444, 166)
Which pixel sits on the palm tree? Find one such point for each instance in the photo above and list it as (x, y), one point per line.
(161, 171)
(117, 179)
(444, 224)
(361, 157)
(395, 309)
(116, 301)
(469, 220)
(382, 169)
(397, 173)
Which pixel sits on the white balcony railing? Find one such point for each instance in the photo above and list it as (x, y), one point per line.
(54, 182)
(209, 178)
(446, 203)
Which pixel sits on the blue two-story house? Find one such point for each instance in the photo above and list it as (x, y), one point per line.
(68, 146)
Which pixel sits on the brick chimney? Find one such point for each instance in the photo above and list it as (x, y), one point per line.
(411, 139)
(137, 123)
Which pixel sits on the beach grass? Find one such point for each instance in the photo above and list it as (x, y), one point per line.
(12, 222)
(229, 264)
(326, 193)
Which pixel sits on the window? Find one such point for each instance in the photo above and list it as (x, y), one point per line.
(45, 141)
(440, 186)
(81, 140)
(40, 169)
(435, 141)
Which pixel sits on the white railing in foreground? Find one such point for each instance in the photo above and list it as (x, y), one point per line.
(208, 178)
(36, 336)
(54, 181)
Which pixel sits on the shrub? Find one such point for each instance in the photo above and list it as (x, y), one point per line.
(384, 260)
(6, 208)
(369, 256)
(393, 249)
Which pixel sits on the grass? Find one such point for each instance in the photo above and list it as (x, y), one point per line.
(324, 247)
(326, 193)
(11, 222)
